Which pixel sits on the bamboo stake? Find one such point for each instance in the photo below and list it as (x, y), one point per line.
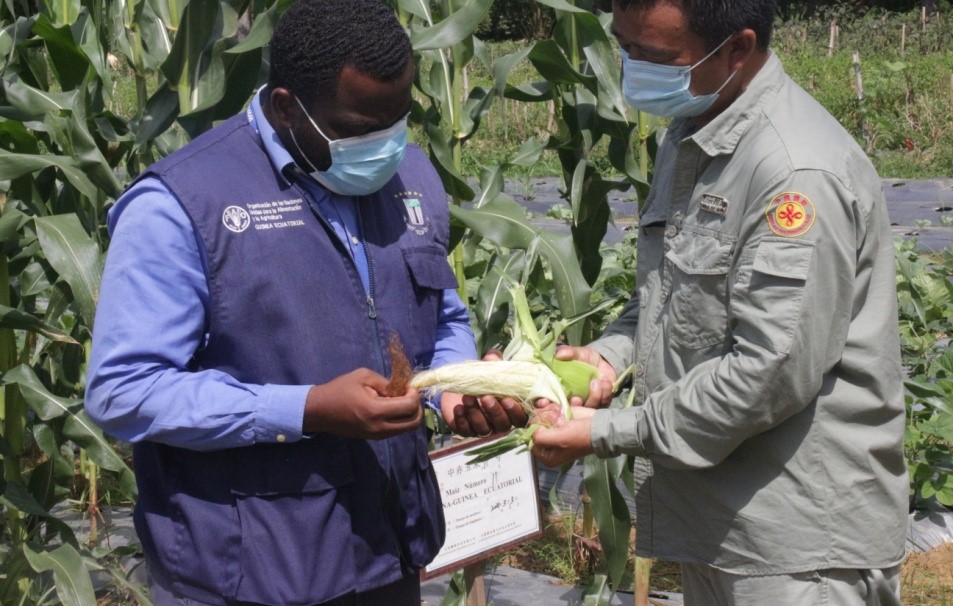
(923, 18)
(903, 39)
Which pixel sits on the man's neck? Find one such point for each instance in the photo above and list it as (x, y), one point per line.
(745, 75)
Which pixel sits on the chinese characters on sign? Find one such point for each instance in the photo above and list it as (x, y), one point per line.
(489, 507)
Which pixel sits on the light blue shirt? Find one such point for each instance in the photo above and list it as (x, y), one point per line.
(152, 314)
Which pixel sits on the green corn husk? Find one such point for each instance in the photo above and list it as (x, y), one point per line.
(519, 439)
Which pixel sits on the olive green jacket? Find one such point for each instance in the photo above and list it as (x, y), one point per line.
(764, 330)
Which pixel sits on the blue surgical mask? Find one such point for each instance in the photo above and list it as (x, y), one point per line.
(359, 165)
(662, 90)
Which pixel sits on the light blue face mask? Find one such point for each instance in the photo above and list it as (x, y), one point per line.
(359, 165)
(662, 90)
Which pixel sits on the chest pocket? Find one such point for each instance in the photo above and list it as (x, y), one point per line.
(431, 275)
(698, 307)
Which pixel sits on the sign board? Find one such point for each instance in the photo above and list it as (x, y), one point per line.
(489, 507)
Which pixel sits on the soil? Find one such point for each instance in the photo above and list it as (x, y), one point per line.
(927, 578)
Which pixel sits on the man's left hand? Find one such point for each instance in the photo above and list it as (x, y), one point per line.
(566, 441)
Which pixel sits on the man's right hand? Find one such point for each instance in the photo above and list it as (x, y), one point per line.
(351, 406)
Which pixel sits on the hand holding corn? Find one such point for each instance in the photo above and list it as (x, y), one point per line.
(470, 415)
(566, 440)
(601, 389)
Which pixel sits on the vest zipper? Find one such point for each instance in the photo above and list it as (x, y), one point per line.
(390, 489)
(369, 295)
(371, 306)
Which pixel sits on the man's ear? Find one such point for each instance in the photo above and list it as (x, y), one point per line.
(741, 47)
(284, 108)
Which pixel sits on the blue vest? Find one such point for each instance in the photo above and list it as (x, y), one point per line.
(305, 522)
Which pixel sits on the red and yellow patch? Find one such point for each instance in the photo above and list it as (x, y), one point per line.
(790, 214)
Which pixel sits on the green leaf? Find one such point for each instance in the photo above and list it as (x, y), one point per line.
(154, 27)
(20, 320)
(548, 59)
(604, 62)
(15, 494)
(10, 223)
(67, 58)
(262, 29)
(417, 8)
(610, 512)
(65, 12)
(529, 153)
(504, 222)
(33, 101)
(489, 312)
(90, 44)
(81, 429)
(940, 426)
(598, 592)
(193, 66)
(13, 166)
(48, 482)
(504, 65)
(161, 111)
(931, 394)
(76, 258)
(72, 582)
(452, 30)
(46, 405)
(455, 184)
(562, 5)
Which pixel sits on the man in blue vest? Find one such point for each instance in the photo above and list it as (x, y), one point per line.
(254, 280)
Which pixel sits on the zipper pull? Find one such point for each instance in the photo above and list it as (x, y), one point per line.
(372, 310)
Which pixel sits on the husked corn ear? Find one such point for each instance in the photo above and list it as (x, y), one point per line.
(574, 376)
(523, 380)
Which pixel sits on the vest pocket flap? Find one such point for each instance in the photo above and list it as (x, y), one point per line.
(784, 258)
(429, 268)
(302, 469)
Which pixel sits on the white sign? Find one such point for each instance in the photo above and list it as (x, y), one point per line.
(489, 506)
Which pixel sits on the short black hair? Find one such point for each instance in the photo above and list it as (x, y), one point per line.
(316, 39)
(715, 20)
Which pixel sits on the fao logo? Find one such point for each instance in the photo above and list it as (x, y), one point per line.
(236, 219)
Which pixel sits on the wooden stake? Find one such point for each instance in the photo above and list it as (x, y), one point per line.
(473, 582)
(643, 573)
(860, 101)
(833, 41)
(903, 39)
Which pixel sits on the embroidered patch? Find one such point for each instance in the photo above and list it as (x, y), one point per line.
(236, 219)
(790, 214)
(714, 204)
(414, 215)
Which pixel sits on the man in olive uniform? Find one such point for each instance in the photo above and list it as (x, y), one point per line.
(763, 329)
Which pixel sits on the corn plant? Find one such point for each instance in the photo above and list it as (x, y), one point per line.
(66, 156)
